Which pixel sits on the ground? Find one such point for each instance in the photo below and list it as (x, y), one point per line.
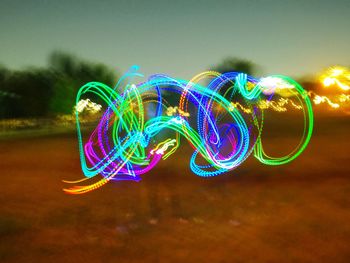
(293, 213)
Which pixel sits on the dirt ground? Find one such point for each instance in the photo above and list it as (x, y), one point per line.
(299, 212)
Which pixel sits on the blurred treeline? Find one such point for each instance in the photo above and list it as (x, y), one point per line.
(49, 91)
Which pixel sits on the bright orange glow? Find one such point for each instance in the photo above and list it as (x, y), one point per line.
(337, 76)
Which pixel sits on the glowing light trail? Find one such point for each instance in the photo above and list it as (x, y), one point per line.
(334, 79)
(339, 76)
(140, 127)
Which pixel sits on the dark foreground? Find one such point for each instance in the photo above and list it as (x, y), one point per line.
(294, 213)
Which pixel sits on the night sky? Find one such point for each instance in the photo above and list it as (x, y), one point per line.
(180, 38)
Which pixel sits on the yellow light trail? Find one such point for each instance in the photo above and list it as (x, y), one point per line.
(338, 76)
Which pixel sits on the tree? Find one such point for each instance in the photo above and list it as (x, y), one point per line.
(71, 73)
(41, 92)
(231, 64)
(26, 93)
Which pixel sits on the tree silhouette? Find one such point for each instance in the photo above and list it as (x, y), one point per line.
(39, 92)
(231, 64)
(71, 73)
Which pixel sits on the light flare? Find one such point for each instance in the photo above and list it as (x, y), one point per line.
(336, 76)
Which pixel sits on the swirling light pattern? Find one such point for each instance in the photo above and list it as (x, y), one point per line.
(220, 115)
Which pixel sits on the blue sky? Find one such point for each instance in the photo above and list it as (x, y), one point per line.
(180, 38)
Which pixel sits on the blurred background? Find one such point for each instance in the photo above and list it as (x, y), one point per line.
(298, 212)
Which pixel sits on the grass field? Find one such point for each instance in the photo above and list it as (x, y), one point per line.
(299, 212)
